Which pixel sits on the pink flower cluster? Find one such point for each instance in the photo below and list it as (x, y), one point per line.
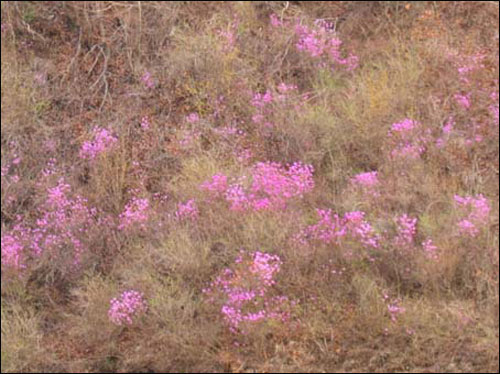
(265, 103)
(467, 64)
(262, 103)
(478, 212)
(101, 141)
(188, 139)
(217, 185)
(271, 186)
(260, 100)
(145, 124)
(12, 249)
(463, 100)
(283, 88)
(447, 130)
(409, 139)
(275, 21)
(367, 182)
(193, 118)
(229, 36)
(50, 168)
(136, 213)
(243, 155)
(393, 307)
(407, 229)
(8, 168)
(147, 79)
(187, 211)
(320, 41)
(126, 307)
(244, 292)
(334, 229)
(61, 232)
(430, 250)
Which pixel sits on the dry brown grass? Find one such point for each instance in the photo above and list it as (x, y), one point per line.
(68, 66)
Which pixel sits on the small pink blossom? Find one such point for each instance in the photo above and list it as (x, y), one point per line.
(125, 308)
(409, 139)
(136, 213)
(333, 229)
(477, 209)
(12, 252)
(275, 21)
(407, 229)
(193, 117)
(62, 230)
(320, 43)
(368, 182)
(187, 211)
(244, 292)
(395, 309)
(448, 127)
(145, 124)
(102, 141)
(430, 249)
(217, 185)
(271, 186)
(463, 100)
(147, 79)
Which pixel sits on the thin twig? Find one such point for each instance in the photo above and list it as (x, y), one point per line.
(73, 60)
(102, 78)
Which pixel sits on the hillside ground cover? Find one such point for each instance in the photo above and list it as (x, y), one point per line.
(249, 186)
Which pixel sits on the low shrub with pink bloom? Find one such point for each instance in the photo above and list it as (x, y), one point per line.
(127, 307)
(275, 21)
(430, 250)
(243, 155)
(446, 132)
(270, 186)
(135, 214)
(393, 307)
(12, 249)
(408, 139)
(271, 180)
(147, 80)
(193, 117)
(217, 185)
(334, 229)
(145, 123)
(187, 211)
(228, 36)
(270, 105)
(244, 292)
(320, 41)
(463, 100)
(102, 141)
(188, 138)
(62, 232)
(475, 212)
(467, 64)
(367, 182)
(406, 231)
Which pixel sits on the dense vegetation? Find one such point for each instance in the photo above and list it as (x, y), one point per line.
(250, 186)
